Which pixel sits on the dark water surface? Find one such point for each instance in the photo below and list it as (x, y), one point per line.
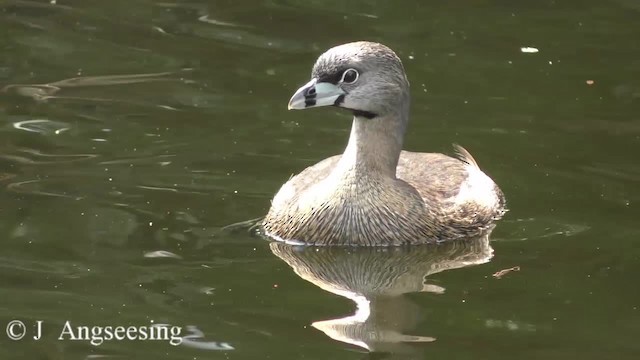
(133, 132)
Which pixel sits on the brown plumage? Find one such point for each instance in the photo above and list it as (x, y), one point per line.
(375, 194)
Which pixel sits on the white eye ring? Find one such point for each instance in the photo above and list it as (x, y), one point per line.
(350, 71)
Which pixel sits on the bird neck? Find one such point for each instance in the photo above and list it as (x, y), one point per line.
(374, 145)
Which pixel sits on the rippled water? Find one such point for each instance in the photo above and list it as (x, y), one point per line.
(139, 138)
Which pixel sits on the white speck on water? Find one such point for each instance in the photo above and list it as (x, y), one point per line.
(529, 50)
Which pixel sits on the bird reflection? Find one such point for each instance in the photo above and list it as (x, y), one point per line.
(377, 279)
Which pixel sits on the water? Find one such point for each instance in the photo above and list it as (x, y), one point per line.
(133, 133)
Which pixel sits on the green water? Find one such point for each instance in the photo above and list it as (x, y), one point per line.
(133, 132)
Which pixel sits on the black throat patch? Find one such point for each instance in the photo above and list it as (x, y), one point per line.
(365, 114)
(358, 113)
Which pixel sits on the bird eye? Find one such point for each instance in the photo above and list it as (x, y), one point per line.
(350, 76)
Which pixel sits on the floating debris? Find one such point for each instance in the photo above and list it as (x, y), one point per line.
(503, 272)
(529, 50)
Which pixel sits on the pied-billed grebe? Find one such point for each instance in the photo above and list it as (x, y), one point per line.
(375, 194)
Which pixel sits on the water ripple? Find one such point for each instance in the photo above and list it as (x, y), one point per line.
(48, 91)
(531, 229)
(42, 126)
(162, 254)
(33, 187)
(37, 157)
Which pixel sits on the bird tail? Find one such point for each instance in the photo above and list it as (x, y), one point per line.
(464, 155)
